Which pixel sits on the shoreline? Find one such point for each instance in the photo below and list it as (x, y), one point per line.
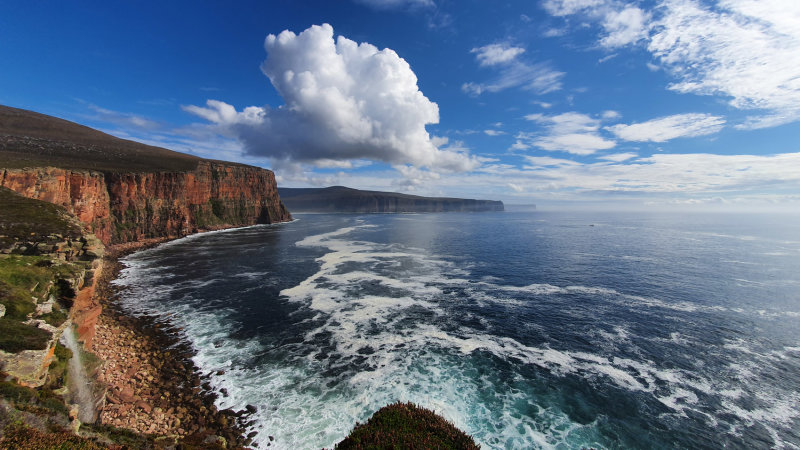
(152, 384)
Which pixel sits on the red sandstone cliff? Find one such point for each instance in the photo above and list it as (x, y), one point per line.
(124, 207)
(125, 191)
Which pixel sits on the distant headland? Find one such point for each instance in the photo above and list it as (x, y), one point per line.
(340, 199)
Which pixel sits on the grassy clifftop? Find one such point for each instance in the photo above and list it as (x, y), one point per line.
(29, 229)
(23, 218)
(31, 139)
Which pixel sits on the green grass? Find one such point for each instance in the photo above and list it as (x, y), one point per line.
(90, 362)
(55, 318)
(16, 393)
(18, 302)
(16, 336)
(405, 425)
(30, 276)
(57, 372)
(22, 219)
(41, 401)
(22, 277)
(19, 275)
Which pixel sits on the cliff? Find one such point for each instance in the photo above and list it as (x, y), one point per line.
(340, 199)
(66, 192)
(124, 207)
(47, 267)
(125, 191)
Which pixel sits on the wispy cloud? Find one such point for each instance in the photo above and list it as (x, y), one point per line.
(745, 51)
(610, 114)
(569, 7)
(622, 23)
(568, 132)
(513, 71)
(670, 127)
(394, 4)
(535, 162)
(494, 54)
(619, 157)
(122, 118)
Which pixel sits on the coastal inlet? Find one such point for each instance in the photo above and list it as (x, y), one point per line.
(525, 329)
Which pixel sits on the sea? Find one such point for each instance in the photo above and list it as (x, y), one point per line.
(526, 329)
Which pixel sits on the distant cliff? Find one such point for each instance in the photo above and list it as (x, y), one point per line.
(126, 191)
(339, 199)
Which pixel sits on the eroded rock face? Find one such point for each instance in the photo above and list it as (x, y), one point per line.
(83, 194)
(122, 207)
(29, 367)
(149, 205)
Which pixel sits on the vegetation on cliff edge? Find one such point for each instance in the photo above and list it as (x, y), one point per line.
(405, 425)
(23, 219)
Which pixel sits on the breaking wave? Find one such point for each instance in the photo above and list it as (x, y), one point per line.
(542, 365)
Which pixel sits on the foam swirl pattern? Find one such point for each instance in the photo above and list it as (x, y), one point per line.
(527, 330)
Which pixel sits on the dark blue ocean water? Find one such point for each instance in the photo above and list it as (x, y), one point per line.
(526, 329)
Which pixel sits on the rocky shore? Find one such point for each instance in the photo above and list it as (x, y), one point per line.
(153, 387)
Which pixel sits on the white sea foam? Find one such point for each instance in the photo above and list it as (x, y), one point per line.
(362, 351)
(747, 263)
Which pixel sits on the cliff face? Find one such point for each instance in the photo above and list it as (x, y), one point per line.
(123, 207)
(47, 273)
(83, 194)
(215, 195)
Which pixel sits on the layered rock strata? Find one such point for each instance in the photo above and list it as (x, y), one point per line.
(122, 207)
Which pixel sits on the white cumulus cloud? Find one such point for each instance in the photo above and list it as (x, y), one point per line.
(343, 101)
(667, 128)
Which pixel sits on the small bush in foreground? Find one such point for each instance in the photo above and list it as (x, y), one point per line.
(405, 425)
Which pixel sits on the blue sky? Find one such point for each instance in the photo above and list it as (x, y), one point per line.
(690, 103)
